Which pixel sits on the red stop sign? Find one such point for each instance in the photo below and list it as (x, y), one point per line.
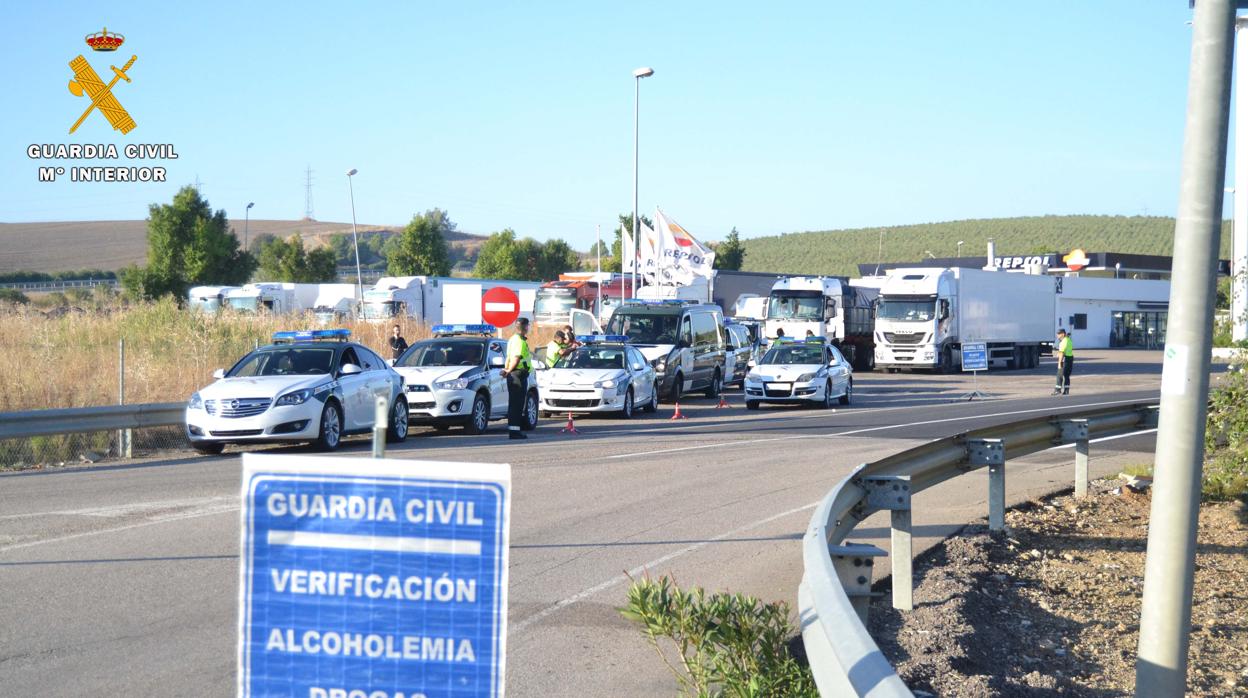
(499, 306)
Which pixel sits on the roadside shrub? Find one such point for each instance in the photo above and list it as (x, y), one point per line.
(12, 295)
(1226, 439)
(721, 644)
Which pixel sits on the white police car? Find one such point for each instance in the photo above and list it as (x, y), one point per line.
(809, 372)
(312, 386)
(455, 379)
(604, 374)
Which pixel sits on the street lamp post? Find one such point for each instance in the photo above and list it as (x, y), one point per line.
(247, 224)
(960, 243)
(637, 76)
(355, 240)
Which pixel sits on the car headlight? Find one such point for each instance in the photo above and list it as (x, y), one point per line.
(196, 402)
(453, 384)
(296, 398)
(608, 383)
(806, 378)
(753, 377)
(660, 364)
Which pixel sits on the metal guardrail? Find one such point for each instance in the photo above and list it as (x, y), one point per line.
(73, 420)
(835, 593)
(40, 286)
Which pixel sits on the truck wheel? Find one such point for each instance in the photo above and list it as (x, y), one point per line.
(946, 360)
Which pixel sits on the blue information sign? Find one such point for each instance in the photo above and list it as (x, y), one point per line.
(372, 578)
(974, 356)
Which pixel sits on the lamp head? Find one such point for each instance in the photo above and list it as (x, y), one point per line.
(351, 172)
(249, 205)
(643, 72)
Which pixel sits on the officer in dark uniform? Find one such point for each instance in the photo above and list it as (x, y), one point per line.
(398, 345)
(519, 363)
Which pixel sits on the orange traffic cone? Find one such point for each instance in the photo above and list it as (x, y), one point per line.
(570, 428)
(723, 402)
(677, 414)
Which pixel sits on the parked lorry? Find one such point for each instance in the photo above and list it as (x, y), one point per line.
(279, 298)
(832, 307)
(926, 314)
(208, 299)
(335, 302)
(435, 300)
(588, 291)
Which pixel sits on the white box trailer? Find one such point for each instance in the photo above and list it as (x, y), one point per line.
(334, 302)
(280, 298)
(925, 314)
(432, 300)
(208, 299)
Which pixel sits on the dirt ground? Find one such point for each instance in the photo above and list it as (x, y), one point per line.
(1052, 606)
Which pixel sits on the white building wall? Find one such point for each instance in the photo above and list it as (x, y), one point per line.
(1099, 299)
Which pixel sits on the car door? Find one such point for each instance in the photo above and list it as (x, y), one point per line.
(354, 392)
(838, 372)
(495, 350)
(377, 383)
(688, 362)
(583, 322)
(643, 378)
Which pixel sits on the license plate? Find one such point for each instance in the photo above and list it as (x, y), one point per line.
(779, 386)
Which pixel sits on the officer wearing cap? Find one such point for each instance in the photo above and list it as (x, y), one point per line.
(519, 363)
(557, 349)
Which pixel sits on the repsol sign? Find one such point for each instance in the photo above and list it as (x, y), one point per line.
(1023, 262)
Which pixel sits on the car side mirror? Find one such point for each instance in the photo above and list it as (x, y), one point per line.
(219, 373)
(683, 343)
(639, 367)
(497, 362)
(350, 369)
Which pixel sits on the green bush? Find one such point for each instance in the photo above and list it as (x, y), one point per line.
(12, 295)
(722, 644)
(1226, 439)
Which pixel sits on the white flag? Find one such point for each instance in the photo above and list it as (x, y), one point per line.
(682, 255)
(628, 253)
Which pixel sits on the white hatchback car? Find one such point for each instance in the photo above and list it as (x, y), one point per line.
(311, 386)
(456, 379)
(808, 372)
(604, 374)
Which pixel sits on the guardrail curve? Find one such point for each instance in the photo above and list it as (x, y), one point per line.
(835, 592)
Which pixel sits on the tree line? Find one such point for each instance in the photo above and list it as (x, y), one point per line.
(189, 244)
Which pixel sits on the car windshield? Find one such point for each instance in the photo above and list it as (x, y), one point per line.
(593, 357)
(442, 352)
(785, 306)
(794, 354)
(645, 328)
(551, 303)
(911, 311)
(284, 361)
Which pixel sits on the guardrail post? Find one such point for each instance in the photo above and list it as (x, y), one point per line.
(381, 415)
(892, 493)
(125, 437)
(991, 452)
(1076, 430)
(853, 563)
(1151, 417)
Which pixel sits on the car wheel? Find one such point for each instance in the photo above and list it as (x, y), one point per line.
(674, 394)
(396, 430)
(530, 412)
(479, 418)
(627, 411)
(331, 428)
(751, 404)
(208, 449)
(827, 395)
(653, 405)
(849, 393)
(716, 386)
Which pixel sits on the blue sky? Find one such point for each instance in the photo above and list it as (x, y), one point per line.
(771, 117)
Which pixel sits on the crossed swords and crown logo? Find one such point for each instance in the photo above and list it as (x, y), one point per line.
(102, 98)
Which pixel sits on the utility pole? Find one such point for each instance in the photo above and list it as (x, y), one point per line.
(1165, 621)
(1239, 209)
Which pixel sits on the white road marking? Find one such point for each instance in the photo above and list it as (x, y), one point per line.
(1107, 438)
(851, 432)
(165, 518)
(120, 510)
(634, 572)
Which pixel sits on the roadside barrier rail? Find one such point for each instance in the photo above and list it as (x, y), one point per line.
(835, 593)
(72, 420)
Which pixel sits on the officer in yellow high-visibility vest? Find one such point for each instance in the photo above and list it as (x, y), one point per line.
(557, 349)
(1065, 353)
(519, 363)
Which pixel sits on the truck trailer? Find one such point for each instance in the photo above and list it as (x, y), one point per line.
(434, 300)
(590, 291)
(278, 298)
(926, 314)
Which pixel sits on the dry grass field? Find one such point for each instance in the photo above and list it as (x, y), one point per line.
(111, 245)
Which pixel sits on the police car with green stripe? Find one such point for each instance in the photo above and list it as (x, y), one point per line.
(456, 379)
(313, 386)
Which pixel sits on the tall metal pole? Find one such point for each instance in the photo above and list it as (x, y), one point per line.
(1239, 215)
(1161, 666)
(355, 240)
(598, 247)
(636, 137)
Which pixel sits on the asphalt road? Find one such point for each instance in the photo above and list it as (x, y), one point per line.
(123, 579)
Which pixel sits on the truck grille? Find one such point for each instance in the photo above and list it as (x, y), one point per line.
(894, 338)
(238, 407)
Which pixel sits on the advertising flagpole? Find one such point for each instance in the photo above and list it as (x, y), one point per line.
(598, 247)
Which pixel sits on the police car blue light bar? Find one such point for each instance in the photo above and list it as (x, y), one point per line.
(340, 335)
(464, 330)
(662, 301)
(600, 338)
